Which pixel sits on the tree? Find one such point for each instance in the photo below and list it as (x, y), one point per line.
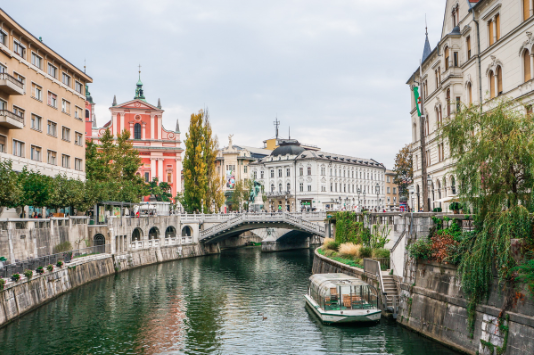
(194, 165)
(238, 195)
(494, 155)
(36, 188)
(160, 191)
(11, 193)
(403, 170)
(214, 191)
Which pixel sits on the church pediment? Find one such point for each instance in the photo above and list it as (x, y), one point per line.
(137, 104)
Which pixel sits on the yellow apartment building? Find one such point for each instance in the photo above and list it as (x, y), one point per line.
(42, 104)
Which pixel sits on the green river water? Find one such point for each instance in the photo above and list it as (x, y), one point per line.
(206, 305)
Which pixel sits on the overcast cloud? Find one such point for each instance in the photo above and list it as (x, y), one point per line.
(335, 71)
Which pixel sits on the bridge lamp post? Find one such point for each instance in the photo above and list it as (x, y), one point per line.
(377, 189)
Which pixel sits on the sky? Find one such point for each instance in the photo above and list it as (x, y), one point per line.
(332, 71)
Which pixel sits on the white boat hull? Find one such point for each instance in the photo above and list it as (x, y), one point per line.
(346, 316)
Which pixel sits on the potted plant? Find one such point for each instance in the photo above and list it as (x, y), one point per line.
(40, 270)
(455, 207)
(50, 268)
(15, 277)
(59, 263)
(28, 274)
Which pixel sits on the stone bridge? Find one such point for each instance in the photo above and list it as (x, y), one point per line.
(294, 230)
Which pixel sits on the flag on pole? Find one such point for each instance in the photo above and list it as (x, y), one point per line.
(417, 100)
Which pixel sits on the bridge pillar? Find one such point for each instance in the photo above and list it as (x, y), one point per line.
(285, 244)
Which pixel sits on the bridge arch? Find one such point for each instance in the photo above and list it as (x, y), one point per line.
(153, 233)
(170, 232)
(137, 234)
(187, 231)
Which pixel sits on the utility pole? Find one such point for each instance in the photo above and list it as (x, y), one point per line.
(426, 207)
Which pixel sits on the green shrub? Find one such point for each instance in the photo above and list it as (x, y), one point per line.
(2, 283)
(50, 267)
(40, 270)
(358, 261)
(455, 206)
(15, 277)
(366, 252)
(59, 263)
(61, 247)
(381, 253)
(28, 274)
(437, 209)
(526, 275)
(328, 252)
(332, 246)
(421, 249)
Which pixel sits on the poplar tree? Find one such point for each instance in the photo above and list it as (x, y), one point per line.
(194, 165)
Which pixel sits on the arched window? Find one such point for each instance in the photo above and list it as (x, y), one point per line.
(170, 232)
(87, 113)
(444, 187)
(186, 231)
(447, 55)
(136, 235)
(153, 233)
(439, 189)
(279, 187)
(526, 66)
(453, 186)
(272, 187)
(492, 84)
(288, 187)
(137, 131)
(499, 80)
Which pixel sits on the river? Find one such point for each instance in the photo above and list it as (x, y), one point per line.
(206, 305)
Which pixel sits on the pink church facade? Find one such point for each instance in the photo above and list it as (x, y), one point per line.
(159, 148)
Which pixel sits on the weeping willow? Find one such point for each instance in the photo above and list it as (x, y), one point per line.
(494, 155)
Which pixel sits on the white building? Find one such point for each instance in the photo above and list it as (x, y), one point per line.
(485, 51)
(295, 178)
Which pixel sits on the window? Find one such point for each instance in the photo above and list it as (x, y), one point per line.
(36, 60)
(448, 102)
(18, 148)
(245, 169)
(78, 112)
(78, 139)
(491, 33)
(272, 173)
(51, 158)
(301, 171)
(3, 142)
(52, 71)
(21, 79)
(323, 188)
(494, 29)
(323, 171)
(3, 38)
(36, 122)
(79, 87)
(458, 104)
(147, 176)
(255, 174)
(78, 164)
(279, 172)
(331, 187)
(455, 57)
(169, 178)
(261, 174)
(272, 187)
(526, 9)
(309, 170)
(335, 187)
(279, 187)
(309, 188)
(3, 69)
(468, 43)
(18, 111)
(65, 79)
(19, 49)
(387, 178)
(301, 187)
(37, 92)
(137, 131)
(65, 106)
(499, 80)
(288, 187)
(526, 66)
(52, 99)
(65, 134)
(65, 161)
(35, 153)
(52, 129)
(288, 172)
(388, 189)
(447, 52)
(394, 190)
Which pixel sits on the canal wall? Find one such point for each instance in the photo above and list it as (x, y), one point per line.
(433, 304)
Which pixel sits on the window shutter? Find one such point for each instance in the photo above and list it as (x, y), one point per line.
(526, 65)
(499, 80)
(492, 84)
(526, 9)
(498, 25)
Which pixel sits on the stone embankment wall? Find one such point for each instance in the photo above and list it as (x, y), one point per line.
(19, 298)
(434, 305)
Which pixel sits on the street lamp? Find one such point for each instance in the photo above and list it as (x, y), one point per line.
(377, 189)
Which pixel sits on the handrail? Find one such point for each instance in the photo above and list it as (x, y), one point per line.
(12, 115)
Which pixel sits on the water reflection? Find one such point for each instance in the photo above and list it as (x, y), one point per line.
(208, 305)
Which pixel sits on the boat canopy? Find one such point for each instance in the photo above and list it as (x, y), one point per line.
(326, 282)
(340, 292)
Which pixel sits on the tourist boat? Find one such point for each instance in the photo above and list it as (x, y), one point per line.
(340, 298)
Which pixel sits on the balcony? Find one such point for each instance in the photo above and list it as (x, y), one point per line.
(10, 85)
(10, 120)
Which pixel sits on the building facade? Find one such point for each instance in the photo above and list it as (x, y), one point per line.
(392, 191)
(295, 179)
(42, 100)
(159, 148)
(485, 52)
